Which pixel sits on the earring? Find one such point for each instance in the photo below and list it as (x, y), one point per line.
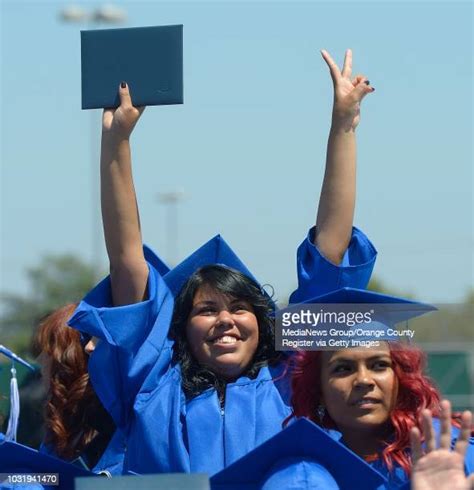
(321, 412)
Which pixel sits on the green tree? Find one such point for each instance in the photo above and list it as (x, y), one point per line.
(55, 281)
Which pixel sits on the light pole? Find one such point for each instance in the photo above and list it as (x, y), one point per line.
(107, 14)
(171, 200)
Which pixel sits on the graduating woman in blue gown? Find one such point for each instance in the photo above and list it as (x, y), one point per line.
(199, 397)
(372, 400)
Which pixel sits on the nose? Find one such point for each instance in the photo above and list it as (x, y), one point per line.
(90, 346)
(225, 318)
(363, 377)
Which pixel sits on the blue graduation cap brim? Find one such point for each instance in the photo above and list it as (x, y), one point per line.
(389, 310)
(16, 458)
(214, 252)
(155, 260)
(305, 440)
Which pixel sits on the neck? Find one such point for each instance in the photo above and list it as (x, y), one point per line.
(363, 443)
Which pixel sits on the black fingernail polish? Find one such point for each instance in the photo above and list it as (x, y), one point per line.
(367, 82)
(123, 84)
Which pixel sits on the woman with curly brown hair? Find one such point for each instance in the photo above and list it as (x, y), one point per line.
(78, 428)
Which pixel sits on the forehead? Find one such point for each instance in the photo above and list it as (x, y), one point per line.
(207, 293)
(356, 355)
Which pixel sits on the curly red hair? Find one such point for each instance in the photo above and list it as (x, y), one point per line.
(72, 401)
(416, 392)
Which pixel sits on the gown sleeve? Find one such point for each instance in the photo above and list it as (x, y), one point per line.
(134, 339)
(112, 459)
(318, 276)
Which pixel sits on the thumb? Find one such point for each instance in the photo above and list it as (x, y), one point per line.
(124, 93)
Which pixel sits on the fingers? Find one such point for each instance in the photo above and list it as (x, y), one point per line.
(415, 442)
(463, 440)
(333, 68)
(124, 94)
(362, 88)
(347, 67)
(445, 438)
(360, 79)
(428, 431)
(126, 99)
(107, 117)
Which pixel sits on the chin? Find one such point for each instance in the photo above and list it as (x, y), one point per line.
(227, 369)
(370, 424)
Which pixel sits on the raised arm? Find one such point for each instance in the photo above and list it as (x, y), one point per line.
(337, 200)
(128, 269)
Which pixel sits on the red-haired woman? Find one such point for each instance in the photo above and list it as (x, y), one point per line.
(77, 427)
(370, 399)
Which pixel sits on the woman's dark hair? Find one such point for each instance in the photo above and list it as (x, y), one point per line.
(196, 377)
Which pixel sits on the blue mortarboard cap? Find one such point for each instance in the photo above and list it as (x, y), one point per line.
(16, 458)
(155, 261)
(334, 465)
(215, 251)
(384, 311)
(397, 309)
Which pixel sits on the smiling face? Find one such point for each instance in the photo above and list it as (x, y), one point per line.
(359, 388)
(222, 332)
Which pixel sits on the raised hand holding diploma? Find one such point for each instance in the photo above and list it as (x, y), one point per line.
(119, 123)
(440, 468)
(128, 269)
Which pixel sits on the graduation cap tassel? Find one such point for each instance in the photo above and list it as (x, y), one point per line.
(12, 428)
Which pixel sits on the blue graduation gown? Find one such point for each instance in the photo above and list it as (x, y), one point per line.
(132, 373)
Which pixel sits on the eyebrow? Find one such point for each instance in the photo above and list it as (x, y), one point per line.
(371, 358)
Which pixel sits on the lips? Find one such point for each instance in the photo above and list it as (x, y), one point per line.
(366, 402)
(224, 339)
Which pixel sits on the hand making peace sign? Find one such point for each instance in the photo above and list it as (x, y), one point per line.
(348, 92)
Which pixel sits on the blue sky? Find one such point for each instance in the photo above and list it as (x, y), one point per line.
(248, 145)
